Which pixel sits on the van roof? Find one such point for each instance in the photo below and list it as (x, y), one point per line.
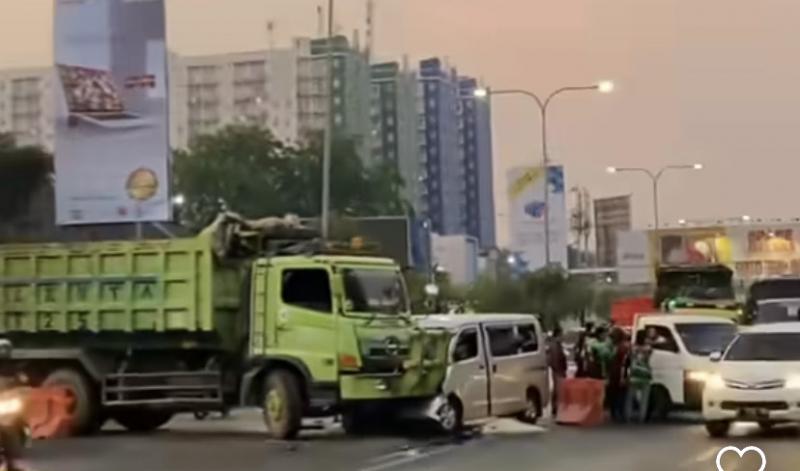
(685, 319)
(459, 320)
(776, 328)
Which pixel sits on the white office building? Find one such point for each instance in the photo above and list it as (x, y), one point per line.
(26, 105)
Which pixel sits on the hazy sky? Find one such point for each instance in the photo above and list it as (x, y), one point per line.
(712, 81)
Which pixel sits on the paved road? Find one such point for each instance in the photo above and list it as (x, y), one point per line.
(238, 445)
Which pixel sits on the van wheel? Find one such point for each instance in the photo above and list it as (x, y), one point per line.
(718, 428)
(533, 409)
(283, 405)
(450, 416)
(660, 404)
(142, 420)
(85, 410)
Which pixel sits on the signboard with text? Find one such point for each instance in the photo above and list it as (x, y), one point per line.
(527, 214)
(111, 143)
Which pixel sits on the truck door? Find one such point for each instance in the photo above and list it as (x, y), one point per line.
(305, 323)
(468, 376)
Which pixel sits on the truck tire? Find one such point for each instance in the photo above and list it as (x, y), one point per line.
(86, 410)
(283, 405)
(142, 420)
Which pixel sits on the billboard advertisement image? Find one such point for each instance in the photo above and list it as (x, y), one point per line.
(111, 142)
(527, 214)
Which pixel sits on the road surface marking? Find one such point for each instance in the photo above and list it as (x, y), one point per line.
(707, 455)
(412, 455)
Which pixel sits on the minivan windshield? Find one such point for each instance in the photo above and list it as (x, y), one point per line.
(765, 347)
(703, 339)
(371, 291)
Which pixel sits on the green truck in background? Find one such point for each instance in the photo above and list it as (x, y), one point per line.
(247, 313)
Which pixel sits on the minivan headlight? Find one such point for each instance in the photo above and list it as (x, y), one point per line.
(10, 406)
(715, 381)
(793, 382)
(698, 376)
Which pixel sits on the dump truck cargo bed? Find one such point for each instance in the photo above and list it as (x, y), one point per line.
(156, 286)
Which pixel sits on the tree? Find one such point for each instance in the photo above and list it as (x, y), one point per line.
(23, 172)
(248, 170)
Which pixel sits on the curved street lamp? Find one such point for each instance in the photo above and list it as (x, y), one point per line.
(543, 104)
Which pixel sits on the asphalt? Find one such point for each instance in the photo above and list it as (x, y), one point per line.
(238, 444)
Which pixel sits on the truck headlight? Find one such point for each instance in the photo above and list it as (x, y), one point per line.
(10, 406)
(698, 376)
(715, 381)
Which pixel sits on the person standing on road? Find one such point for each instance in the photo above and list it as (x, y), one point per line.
(617, 378)
(601, 352)
(557, 361)
(641, 377)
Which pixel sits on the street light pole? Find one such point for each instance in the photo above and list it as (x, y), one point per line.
(544, 105)
(328, 145)
(655, 178)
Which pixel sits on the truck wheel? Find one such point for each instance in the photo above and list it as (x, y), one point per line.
(718, 428)
(283, 405)
(660, 404)
(142, 420)
(86, 410)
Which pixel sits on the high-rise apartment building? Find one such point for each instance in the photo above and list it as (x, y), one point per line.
(395, 124)
(476, 145)
(443, 202)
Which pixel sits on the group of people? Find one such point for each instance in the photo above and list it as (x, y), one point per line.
(605, 353)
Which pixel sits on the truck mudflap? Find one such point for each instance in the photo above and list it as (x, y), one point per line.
(170, 390)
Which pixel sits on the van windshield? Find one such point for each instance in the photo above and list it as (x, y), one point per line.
(704, 339)
(374, 291)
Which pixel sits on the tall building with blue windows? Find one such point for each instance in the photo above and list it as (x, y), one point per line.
(476, 146)
(395, 125)
(442, 159)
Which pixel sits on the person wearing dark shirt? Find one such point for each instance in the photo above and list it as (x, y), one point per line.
(557, 361)
(617, 376)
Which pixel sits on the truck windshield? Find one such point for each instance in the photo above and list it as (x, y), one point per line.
(374, 291)
(704, 339)
(765, 347)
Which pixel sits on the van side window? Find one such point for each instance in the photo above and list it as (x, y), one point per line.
(503, 341)
(466, 346)
(665, 340)
(528, 338)
(308, 289)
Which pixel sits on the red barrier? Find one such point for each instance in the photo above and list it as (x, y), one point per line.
(580, 402)
(48, 412)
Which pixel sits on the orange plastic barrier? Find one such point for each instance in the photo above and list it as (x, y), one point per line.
(48, 412)
(580, 402)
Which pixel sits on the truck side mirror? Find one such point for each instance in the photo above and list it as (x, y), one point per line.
(715, 357)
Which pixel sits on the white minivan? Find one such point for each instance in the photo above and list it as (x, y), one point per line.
(497, 368)
(680, 359)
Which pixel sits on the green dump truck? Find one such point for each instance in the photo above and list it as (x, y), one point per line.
(247, 313)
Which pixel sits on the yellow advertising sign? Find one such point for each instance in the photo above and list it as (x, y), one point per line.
(529, 178)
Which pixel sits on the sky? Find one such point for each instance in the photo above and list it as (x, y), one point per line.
(708, 81)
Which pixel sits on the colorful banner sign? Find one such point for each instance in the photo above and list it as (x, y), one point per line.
(112, 126)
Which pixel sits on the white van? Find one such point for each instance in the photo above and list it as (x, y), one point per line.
(498, 368)
(680, 360)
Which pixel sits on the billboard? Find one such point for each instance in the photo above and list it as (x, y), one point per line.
(633, 260)
(112, 125)
(611, 216)
(527, 211)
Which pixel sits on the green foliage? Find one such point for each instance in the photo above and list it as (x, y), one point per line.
(251, 172)
(22, 171)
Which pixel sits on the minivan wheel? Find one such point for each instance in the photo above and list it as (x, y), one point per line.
(718, 428)
(765, 426)
(450, 417)
(660, 404)
(533, 409)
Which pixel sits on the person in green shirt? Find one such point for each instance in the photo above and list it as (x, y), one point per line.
(601, 352)
(640, 380)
